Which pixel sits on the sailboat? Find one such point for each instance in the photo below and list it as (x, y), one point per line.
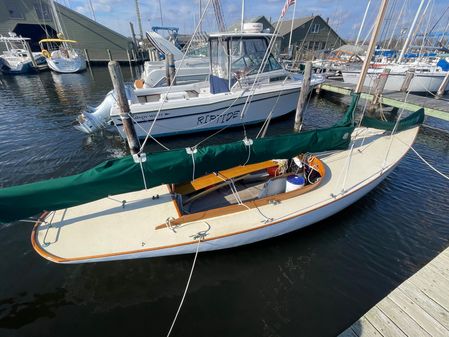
(205, 198)
(60, 53)
(235, 59)
(17, 59)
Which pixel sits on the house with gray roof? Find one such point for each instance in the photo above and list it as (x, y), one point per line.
(310, 33)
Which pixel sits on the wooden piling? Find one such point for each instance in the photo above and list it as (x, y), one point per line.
(408, 79)
(443, 86)
(172, 69)
(109, 54)
(119, 89)
(167, 71)
(379, 85)
(130, 63)
(30, 52)
(303, 96)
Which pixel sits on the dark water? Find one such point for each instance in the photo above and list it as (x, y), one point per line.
(314, 282)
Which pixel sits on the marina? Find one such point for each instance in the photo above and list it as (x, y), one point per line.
(224, 180)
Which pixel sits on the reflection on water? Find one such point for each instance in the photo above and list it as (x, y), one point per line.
(316, 281)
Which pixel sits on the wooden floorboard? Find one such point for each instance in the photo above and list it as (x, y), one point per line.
(418, 307)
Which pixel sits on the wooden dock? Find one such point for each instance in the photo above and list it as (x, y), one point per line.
(418, 307)
(432, 107)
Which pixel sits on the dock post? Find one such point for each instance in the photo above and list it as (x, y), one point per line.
(379, 85)
(109, 54)
(303, 96)
(443, 86)
(86, 55)
(408, 79)
(119, 89)
(130, 64)
(167, 70)
(30, 52)
(172, 69)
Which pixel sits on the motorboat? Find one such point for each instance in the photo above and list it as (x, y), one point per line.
(235, 59)
(16, 59)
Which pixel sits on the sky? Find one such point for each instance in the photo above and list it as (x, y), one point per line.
(345, 16)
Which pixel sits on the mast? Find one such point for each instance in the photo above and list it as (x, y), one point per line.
(291, 28)
(92, 10)
(56, 17)
(410, 32)
(243, 15)
(160, 12)
(372, 45)
(363, 22)
(396, 24)
(139, 19)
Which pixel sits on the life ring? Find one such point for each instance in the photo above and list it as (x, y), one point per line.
(46, 53)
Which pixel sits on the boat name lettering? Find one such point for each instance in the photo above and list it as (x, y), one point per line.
(218, 118)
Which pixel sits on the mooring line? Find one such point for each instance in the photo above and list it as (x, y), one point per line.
(187, 286)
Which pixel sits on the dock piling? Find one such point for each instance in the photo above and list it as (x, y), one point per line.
(30, 52)
(443, 86)
(379, 85)
(408, 79)
(172, 69)
(303, 96)
(120, 91)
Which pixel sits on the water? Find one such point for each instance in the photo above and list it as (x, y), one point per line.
(313, 282)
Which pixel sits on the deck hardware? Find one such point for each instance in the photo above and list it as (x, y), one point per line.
(274, 202)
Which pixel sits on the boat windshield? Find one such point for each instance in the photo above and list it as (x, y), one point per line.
(247, 55)
(233, 58)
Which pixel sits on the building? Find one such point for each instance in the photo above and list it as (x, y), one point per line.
(310, 33)
(33, 19)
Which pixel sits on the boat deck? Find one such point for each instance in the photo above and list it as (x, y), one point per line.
(418, 307)
(105, 230)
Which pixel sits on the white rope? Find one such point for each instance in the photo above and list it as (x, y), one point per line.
(187, 287)
(176, 73)
(428, 164)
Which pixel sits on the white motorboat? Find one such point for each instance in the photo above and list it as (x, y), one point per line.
(427, 78)
(17, 59)
(201, 106)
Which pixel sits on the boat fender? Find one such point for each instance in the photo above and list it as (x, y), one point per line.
(46, 53)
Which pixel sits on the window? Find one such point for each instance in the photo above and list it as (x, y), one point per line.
(247, 55)
(316, 28)
(13, 9)
(42, 10)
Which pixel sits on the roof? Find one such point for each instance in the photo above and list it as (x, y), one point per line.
(285, 26)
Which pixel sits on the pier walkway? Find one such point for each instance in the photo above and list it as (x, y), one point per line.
(438, 108)
(418, 307)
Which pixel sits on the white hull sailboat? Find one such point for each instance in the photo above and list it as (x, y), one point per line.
(425, 79)
(151, 222)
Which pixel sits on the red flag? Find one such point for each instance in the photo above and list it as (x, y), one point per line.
(288, 3)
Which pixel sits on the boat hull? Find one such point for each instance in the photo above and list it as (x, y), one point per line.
(212, 116)
(419, 83)
(67, 66)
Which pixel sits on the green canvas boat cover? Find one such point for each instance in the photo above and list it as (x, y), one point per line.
(168, 167)
(411, 120)
(176, 166)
